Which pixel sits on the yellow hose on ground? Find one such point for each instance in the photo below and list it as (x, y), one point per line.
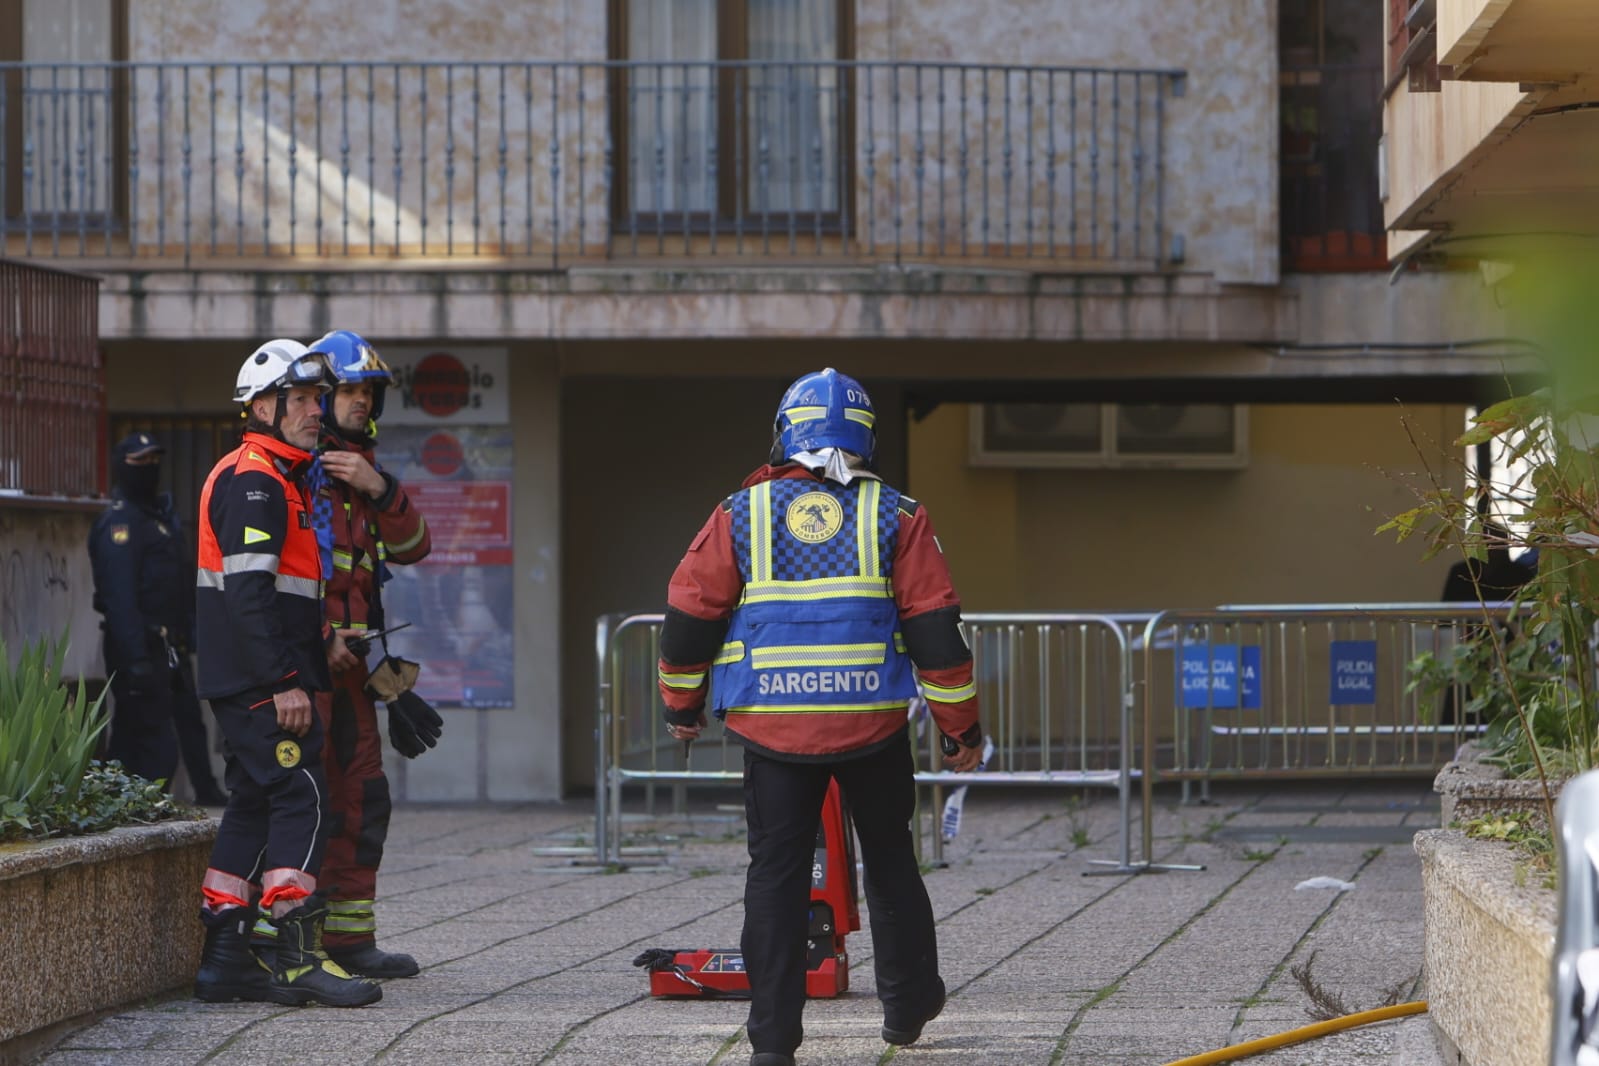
(1297, 1036)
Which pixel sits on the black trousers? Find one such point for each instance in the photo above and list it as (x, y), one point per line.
(782, 805)
(276, 817)
(142, 732)
(190, 723)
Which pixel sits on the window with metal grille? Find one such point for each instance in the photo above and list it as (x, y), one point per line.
(1330, 115)
(193, 445)
(730, 109)
(52, 384)
(63, 144)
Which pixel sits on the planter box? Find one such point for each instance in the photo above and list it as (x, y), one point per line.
(1473, 789)
(98, 921)
(1489, 942)
(1489, 946)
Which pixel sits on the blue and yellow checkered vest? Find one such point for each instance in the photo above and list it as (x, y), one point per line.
(816, 630)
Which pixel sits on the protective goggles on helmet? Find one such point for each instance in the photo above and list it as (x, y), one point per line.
(308, 370)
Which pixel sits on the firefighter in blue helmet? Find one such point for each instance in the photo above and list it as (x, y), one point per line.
(364, 522)
(809, 607)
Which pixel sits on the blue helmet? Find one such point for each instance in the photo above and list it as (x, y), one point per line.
(351, 359)
(825, 409)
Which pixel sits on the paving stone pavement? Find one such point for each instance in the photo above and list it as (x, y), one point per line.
(528, 958)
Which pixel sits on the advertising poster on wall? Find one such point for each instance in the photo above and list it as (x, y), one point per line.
(446, 435)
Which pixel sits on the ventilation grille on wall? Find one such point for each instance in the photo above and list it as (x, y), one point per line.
(1197, 436)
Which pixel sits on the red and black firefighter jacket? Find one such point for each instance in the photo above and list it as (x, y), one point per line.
(258, 604)
(708, 587)
(366, 534)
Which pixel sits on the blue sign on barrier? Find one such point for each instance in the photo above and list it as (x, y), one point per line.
(1222, 676)
(1352, 667)
(1249, 676)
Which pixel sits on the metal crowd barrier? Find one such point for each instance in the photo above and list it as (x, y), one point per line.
(1289, 691)
(1234, 693)
(1054, 688)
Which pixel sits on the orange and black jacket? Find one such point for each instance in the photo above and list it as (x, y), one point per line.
(366, 534)
(258, 601)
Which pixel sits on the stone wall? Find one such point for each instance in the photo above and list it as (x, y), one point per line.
(46, 584)
(322, 157)
(1488, 947)
(1220, 136)
(98, 921)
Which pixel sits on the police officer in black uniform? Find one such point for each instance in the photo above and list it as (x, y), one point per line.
(144, 588)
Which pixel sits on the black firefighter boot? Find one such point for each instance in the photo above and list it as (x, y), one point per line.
(229, 970)
(369, 960)
(355, 918)
(302, 971)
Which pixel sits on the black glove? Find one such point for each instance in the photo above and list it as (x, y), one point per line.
(414, 727)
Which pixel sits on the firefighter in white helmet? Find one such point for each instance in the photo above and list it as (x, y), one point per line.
(262, 651)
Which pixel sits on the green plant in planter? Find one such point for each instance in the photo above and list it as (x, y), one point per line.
(106, 797)
(47, 737)
(1514, 679)
(1533, 681)
(48, 784)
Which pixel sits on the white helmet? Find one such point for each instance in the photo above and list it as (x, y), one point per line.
(279, 364)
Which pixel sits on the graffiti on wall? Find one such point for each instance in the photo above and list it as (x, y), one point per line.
(46, 585)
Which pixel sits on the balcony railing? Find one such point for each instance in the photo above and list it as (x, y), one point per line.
(544, 164)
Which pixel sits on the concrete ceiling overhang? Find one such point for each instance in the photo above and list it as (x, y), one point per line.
(1523, 41)
(1540, 172)
(1106, 373)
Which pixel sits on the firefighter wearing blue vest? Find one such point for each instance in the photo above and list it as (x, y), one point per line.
(810, 604)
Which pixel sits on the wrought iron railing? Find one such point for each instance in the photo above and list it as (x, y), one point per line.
(558, 161)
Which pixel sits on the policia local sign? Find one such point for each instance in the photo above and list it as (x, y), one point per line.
(1229, 676)
(446, 434)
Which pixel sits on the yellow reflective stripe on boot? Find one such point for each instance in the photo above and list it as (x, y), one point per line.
(351, 906)
(351, 916)
(263, 927)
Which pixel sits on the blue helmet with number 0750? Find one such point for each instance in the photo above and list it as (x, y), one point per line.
(825, 409)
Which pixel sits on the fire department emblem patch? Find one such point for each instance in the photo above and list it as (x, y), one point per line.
(814, 517)
(288, 754)
(119, 534)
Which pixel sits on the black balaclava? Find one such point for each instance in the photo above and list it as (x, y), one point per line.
(136, 483)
